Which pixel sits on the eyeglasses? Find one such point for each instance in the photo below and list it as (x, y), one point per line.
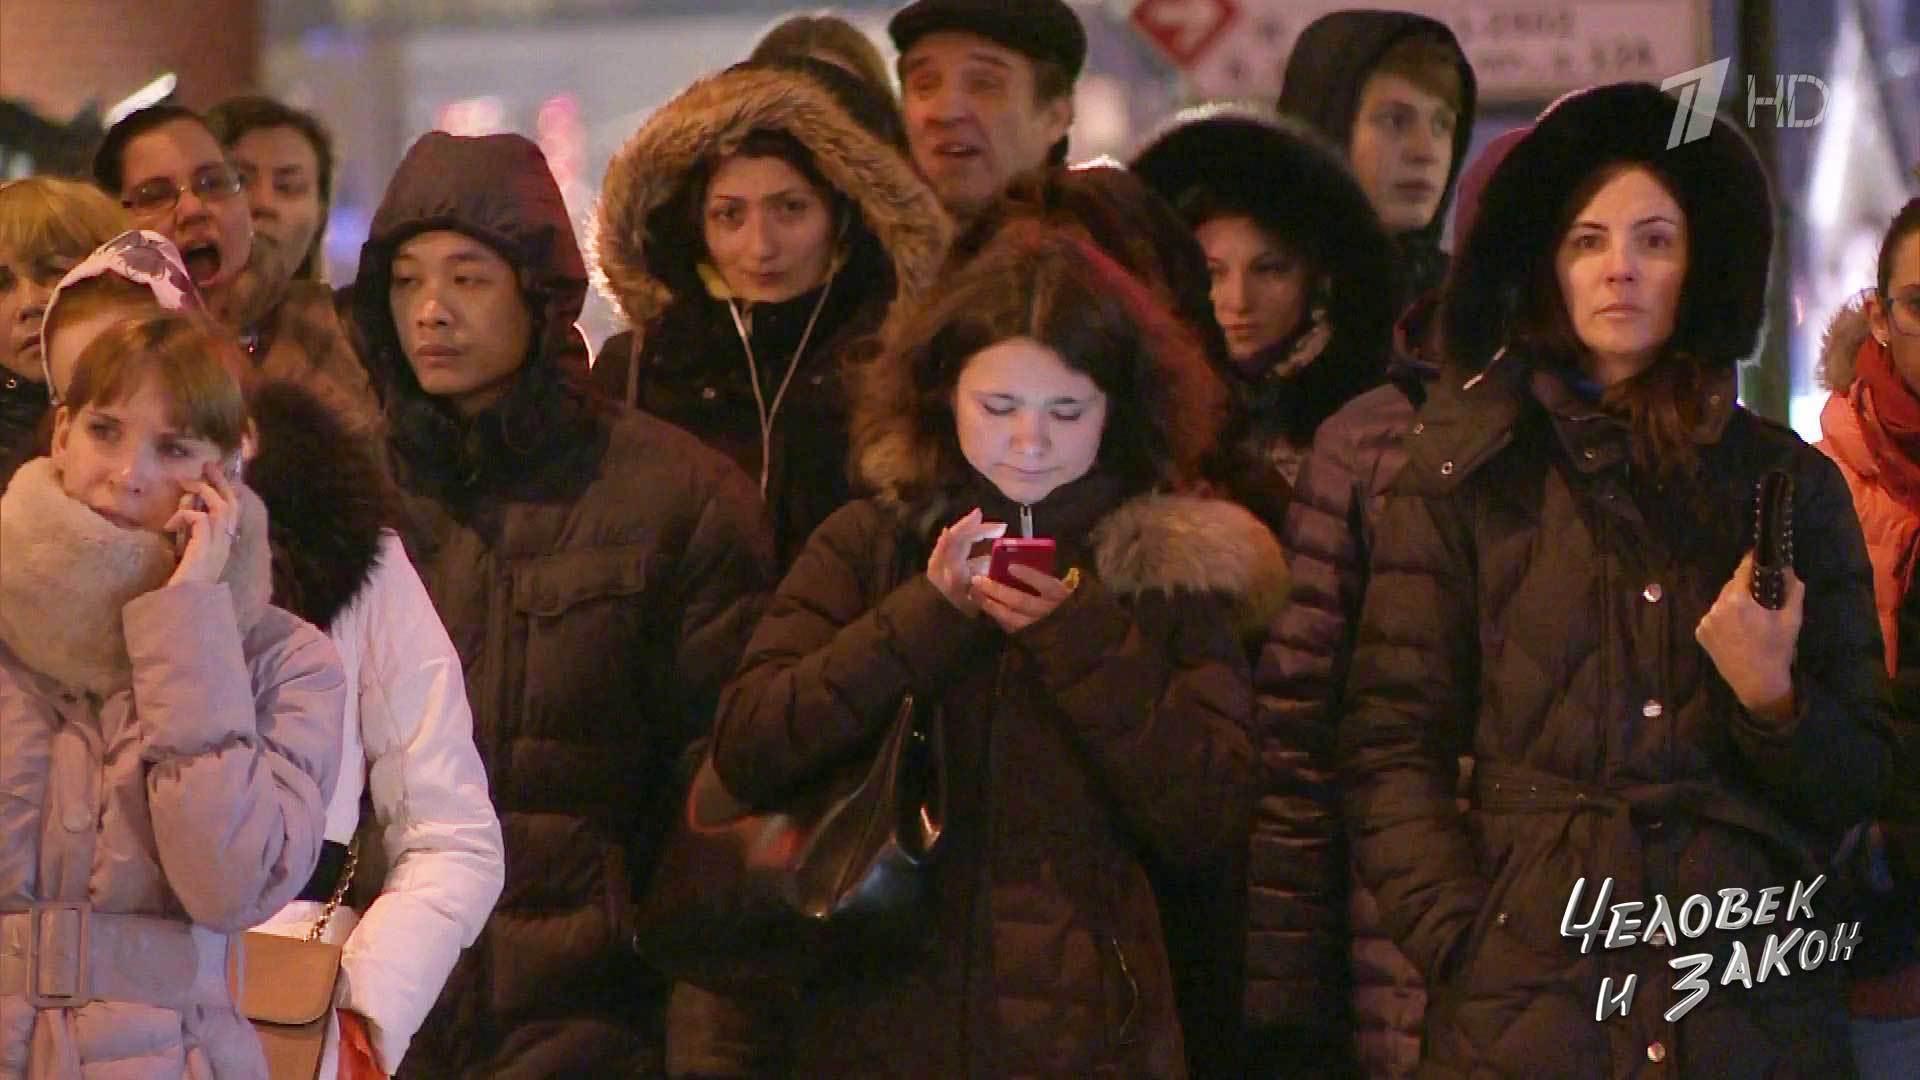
(215, 183)
(1903, 311)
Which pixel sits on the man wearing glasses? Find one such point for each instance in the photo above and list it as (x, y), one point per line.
(172, 175)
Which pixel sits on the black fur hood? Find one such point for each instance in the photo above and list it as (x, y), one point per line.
(327, 500)
(1722, 189)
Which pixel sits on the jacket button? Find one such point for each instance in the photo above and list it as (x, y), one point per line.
(1446, 468)
(1652, 710)
(1501, 918)
(708, 393)
(13, 383)
(1418, 428)
(1656, 1052)
(1652, 593)
(1588, 453)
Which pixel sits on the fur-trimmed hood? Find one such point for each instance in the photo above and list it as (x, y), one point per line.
(1298, 188)
(1840, 345)
(327, 497)
(1722, 189)
(1187, 543)
(68, 572)
(643, 245)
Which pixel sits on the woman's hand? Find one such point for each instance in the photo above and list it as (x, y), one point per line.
(1013, 609)
(1753, 647)
(209, 517)
(952, 568)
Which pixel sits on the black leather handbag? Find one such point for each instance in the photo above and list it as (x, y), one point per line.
(835, 878)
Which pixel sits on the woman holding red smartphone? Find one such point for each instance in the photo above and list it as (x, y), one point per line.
(168, 738)
(1092, 725)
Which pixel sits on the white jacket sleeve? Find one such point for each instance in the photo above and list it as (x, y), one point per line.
(431, 802)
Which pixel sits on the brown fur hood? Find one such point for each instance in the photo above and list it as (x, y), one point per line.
(1190, 543)
(639, 269)
(1840, 345)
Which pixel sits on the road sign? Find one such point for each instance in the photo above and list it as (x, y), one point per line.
(1184, 29)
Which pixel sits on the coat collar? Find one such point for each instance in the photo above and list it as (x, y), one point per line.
(68, 573)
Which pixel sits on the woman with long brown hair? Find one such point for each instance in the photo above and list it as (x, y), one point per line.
(1562, 584)
(1089, 727)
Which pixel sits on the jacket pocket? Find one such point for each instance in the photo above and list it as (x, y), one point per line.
(579, 623)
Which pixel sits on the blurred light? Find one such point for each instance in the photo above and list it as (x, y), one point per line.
(151, 94)
(562, 137)
(472, 116)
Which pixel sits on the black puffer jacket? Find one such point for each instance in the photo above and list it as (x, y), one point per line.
(1326, 72)
(23, 409)
(598, 574)
(692, 368)
(1534, 598)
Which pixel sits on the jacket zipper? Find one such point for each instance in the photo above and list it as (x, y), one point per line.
(1026, 521)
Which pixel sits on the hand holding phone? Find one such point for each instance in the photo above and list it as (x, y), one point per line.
(1010, 551)
(207, 523)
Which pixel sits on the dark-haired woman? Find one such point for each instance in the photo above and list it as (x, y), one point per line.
(1301, 271)
(1871, 429)
(1089, 727)
(1562, 584)
(755, 232)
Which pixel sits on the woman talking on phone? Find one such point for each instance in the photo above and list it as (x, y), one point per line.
(1091, 723)
(168, 740)
(1564, 584)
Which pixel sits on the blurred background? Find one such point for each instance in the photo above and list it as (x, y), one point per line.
(578, 76)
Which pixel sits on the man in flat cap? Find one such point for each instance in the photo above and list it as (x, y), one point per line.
(987, 88)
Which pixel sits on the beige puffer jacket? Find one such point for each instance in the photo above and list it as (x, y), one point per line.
(166, 753)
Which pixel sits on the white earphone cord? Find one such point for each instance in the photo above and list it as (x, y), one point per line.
(753, 373)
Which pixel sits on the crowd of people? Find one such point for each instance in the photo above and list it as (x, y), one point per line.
(1394, 597)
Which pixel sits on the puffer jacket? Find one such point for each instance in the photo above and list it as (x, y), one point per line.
(1534, 599)
(1326, 73)
(433, 853)
(1109, 734)
(1299, 926)
(303, 340)
(598, 574)
(166, 752)
(693, 367)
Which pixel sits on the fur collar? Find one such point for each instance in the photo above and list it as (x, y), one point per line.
(1840, 346)
(327, 500)
(1187, 543)
(631, 259)
(68, 573)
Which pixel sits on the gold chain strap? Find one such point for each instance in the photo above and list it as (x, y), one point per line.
(339, 892)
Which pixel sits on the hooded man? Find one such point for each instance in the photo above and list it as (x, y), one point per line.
(598, 573)
(1395, 91)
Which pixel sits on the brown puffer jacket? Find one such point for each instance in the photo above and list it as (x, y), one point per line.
(598, 573)
(1108, 734)
(1533, 597)
(1302, 929)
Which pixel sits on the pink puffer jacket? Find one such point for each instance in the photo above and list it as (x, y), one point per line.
(155, 798)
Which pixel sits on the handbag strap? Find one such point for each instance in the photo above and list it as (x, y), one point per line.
(339, 892)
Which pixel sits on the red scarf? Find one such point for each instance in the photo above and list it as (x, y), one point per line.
(1889, 418)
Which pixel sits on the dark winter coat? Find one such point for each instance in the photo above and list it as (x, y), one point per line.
(597, 574)
(1108, 735)
(1300, 191)
(1297, 953)
(1326, 72)
(1534, 598)
(692, 368)
(23, 408)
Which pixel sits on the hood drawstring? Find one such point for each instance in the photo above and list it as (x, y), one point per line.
(753, 372)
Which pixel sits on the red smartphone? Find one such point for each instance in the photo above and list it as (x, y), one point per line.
(1034, 551)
